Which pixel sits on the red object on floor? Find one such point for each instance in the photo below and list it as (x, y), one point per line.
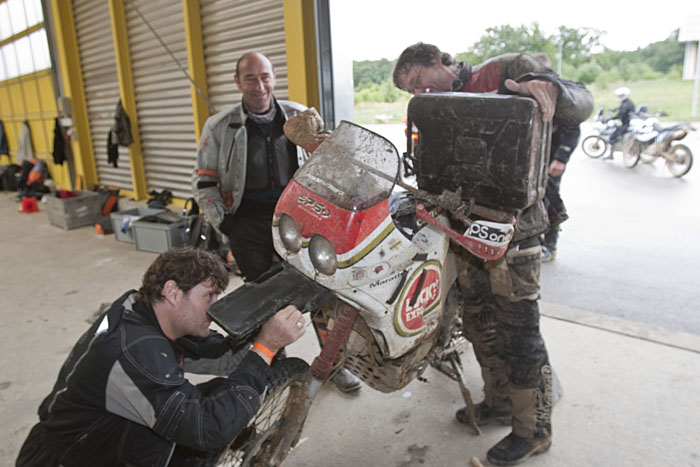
(29, 205)
(64, 194)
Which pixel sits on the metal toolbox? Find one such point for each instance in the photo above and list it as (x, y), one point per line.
(77, 211)
(160, 232)
(122, 222)
(494, 147)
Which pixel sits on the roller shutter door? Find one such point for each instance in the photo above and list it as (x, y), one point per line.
(231, 28)
(163, 99)
(99, 68)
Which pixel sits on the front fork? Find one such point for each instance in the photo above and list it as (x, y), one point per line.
(323, 364)
(320, 371)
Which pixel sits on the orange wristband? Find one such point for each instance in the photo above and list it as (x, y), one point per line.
(264, 350)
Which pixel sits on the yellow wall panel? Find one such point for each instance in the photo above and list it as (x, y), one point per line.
(31, 98)
(48, 99)
(39, 142)
(12, 129)
(5, 108)
(17, 99)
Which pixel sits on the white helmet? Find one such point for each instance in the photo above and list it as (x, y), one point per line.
(622, 93)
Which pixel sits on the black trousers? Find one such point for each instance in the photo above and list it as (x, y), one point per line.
(556, 211)
(251, 238)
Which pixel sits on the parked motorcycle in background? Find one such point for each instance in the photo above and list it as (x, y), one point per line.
(649, 140)
(597, 145)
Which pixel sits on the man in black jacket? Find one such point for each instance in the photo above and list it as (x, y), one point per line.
(121, 397)
(625, 113)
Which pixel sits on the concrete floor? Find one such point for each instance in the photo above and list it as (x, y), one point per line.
(630, 389)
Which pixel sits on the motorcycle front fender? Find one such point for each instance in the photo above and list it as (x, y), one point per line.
(242, 312)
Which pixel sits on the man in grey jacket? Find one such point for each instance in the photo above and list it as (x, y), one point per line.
(243, 164)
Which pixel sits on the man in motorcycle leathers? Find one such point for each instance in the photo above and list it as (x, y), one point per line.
(121, 397)
(624, 113)
(501, 315)
(563, 144)
(244, 162)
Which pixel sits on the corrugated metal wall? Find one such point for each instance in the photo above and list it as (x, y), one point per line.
(93, 28)
(232, 28)
(163, 99)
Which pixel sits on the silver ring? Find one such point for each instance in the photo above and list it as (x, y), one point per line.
(299, 324)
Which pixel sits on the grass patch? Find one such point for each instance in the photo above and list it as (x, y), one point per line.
(380, 112)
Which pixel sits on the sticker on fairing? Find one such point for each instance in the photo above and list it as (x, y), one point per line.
(420, 296)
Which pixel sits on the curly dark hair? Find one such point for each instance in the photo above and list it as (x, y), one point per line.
(418, 54)
(187, 266)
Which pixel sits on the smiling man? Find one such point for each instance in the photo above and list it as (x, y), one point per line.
(244, 163)
(121, 397)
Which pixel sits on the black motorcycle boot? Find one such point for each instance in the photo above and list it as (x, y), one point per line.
(495, 406)
(532, 423)
(345, 381)
(485, 414)
(514, 449)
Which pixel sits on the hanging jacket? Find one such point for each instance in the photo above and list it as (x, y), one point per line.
(119, 134)
(4, 148)
(25, 151)
(59, 144)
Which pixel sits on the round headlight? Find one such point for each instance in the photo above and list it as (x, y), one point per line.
(323, 255)
(289, 234)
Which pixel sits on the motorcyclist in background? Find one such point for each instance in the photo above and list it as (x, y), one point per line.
(624, 113)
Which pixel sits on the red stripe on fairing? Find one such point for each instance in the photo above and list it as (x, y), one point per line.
(345, 229)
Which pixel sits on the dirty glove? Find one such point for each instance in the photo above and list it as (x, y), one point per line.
(544, 92)
(305, 129)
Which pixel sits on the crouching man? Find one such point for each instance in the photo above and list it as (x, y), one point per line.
(121, 397)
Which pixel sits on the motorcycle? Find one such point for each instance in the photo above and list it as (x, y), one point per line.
(370, 256)
(597, 145)
(650, 140)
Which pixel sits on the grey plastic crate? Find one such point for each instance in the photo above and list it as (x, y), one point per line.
(78, 211)
(124, 233)
(160, 237)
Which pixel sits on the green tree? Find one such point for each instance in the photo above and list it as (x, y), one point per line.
(505, 39)
(576, 43)
(662, 56)
(372, 71)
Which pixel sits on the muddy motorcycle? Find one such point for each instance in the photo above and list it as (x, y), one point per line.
(597, 145)
(371, 257)
(650, 140)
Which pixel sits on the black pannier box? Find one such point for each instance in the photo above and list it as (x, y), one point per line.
(494, 147)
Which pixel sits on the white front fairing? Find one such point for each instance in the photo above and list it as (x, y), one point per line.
(382, 284)
(341, 197)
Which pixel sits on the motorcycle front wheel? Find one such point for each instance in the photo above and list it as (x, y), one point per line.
(256, 444)
(630, 152)
(594, 146)
(679, 160)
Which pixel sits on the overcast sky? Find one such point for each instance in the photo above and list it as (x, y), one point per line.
(383, 28)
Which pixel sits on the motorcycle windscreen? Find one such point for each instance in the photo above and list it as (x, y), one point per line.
(354, 168)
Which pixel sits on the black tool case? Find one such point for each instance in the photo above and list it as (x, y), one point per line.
(494, 147)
